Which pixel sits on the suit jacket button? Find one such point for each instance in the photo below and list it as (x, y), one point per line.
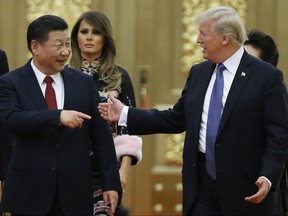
(58, 145)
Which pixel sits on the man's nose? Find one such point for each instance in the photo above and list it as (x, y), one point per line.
(66, 51)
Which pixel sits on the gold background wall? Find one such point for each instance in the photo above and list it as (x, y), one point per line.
(149, 40)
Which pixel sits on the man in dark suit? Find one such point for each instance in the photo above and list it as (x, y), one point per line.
(50, 172)
(241, 175)
(5, 138)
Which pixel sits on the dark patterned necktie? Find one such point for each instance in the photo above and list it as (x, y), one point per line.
(50, 93)
(214, 116)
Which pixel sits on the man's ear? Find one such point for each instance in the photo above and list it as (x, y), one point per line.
(34, 47)
(225, 39)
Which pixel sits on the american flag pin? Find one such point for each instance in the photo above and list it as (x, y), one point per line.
(243, 74)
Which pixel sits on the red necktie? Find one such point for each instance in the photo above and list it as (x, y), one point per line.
(50, 93)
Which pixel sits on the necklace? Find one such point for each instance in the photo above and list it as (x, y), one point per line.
(91, 68)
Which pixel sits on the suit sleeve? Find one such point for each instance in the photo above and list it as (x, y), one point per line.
(275, 117)
(172, 120)
(17, 120)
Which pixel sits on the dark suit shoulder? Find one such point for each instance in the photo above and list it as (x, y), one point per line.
(2, 52)
(202, 69)
(78, 76)
(18, 72)
(206, 65)
(4, 66)
(259, 66)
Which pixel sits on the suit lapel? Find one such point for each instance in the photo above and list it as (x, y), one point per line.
(241, 77)
(30, 83)
(69, 87)
(196, 95)
(203, 82)
(29, 80)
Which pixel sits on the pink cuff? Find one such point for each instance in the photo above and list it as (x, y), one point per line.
(127, 145)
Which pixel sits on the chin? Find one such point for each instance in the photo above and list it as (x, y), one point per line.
(60, 68)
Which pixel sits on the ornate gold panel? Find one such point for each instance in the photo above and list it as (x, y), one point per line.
(69, 10)
(174, 148)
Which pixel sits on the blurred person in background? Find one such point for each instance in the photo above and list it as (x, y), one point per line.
(5, 138)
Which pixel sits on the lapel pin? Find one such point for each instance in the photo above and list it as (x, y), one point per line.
(243, 74)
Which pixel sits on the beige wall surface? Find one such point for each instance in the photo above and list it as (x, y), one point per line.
(270, 16)
(148, 34)
(13, 26)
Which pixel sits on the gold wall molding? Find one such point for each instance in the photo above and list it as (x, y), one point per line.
(69, 10)
(174, 149)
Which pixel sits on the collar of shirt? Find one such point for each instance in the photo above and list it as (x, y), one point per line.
(233, 62)
(231, 65)
(58, 84)
(41, 76)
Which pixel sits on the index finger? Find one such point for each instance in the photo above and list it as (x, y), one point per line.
(84, 116)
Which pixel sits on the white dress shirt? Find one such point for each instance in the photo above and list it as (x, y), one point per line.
(231, 65)
(58, 85)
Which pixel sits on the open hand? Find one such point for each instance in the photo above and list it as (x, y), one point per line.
(111, 110)
(263, 189)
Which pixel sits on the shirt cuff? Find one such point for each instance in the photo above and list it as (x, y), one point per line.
(270, 184)
(123, 116)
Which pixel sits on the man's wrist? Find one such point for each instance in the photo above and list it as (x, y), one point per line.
(269, 182)
(123, 116)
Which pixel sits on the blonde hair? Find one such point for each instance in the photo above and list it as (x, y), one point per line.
(225, 20)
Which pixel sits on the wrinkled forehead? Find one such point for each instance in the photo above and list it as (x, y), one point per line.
(58, 35)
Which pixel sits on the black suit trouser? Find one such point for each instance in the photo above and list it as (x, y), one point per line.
(206, 202)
